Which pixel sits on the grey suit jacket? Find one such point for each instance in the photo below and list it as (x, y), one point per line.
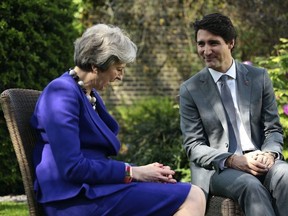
(203, 121)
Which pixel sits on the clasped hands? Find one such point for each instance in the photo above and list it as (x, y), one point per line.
(255, 162)
(155, 172)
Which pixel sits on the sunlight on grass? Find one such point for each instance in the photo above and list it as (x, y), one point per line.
(13, 209)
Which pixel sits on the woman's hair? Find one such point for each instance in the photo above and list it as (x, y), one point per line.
(103, 45)
(217, 24)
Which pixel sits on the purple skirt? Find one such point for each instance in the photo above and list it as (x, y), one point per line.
(142, 199)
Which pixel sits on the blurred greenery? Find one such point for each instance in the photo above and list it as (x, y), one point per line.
(33, 51)
(150, 133)
(13, 209)
(277, 65)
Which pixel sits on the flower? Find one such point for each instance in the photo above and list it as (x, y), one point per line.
(247, 62)
(285, 109)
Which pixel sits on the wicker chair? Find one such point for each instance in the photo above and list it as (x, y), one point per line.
(17, 106)
(220, 206)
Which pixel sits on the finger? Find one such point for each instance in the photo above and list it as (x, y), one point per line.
(167, 179)
(265, 160)
(270, 163)
(258, 167)
(167, 167)
(260, 158)
(167, 172)
(256, 173)
(158, 164)
(172, 181)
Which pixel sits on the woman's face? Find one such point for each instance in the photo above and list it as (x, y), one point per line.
(103, 78)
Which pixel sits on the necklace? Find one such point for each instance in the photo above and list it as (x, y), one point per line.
(91, 98)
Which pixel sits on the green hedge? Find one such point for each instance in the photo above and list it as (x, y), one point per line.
(277, 65)
(150, 132)
(36, 45)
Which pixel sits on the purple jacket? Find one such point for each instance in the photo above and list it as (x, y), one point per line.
(74, 146)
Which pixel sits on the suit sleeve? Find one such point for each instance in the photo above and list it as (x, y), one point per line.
(58, 114)
(272, 129)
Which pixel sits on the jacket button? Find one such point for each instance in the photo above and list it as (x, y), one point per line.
(227, 145)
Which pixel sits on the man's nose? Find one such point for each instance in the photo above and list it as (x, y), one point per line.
(207, 50)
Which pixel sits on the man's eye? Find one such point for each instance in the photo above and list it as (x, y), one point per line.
(214, 43)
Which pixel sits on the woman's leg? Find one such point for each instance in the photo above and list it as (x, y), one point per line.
(195, 203)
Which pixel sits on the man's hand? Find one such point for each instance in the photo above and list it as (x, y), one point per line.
(266, 158)
(248, 163)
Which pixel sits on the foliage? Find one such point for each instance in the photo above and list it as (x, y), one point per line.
(36, 45)
(277, 65)
(150, 133)
(260, 24)
(164, 33)
(13, 209)
(161, 29)
(285, 154)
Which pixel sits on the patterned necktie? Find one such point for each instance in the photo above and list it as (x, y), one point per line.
(230, 115)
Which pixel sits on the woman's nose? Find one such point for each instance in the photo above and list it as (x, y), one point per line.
(120, 75)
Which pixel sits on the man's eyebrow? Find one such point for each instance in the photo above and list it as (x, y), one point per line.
(200, 41)
(213, 41)
(209, 41)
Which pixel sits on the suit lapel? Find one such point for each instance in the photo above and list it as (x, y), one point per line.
(244, 95)
(110, 133)
(104, 122)
(211, 93)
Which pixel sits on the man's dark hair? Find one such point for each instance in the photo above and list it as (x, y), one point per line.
(216, 24)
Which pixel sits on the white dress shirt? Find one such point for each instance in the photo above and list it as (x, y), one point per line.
(245, 141)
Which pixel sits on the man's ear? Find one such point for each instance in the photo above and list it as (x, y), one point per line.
(231, 44)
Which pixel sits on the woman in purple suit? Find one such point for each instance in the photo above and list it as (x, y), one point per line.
(74, 173)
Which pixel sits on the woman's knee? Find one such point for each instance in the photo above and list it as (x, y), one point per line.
(196, 195)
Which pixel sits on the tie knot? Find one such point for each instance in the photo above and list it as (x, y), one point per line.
(224, 78)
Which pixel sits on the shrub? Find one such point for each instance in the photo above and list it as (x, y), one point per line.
(277, 66)
(150, 132)
(36, 45)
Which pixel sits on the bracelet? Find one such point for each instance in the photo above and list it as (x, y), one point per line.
(128, 173)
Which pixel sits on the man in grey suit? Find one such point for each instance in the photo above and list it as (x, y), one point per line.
(241, 158)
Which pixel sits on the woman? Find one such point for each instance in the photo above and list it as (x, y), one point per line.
(74, 174)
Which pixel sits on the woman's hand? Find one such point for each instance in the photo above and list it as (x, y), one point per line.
(154, 172)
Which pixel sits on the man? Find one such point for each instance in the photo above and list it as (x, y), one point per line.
(232, 135)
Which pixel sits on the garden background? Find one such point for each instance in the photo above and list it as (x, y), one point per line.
(36, 45)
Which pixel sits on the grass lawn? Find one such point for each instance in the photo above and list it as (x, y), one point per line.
(13, 209)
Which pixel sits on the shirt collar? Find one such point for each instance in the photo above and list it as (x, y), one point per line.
(231, 72)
